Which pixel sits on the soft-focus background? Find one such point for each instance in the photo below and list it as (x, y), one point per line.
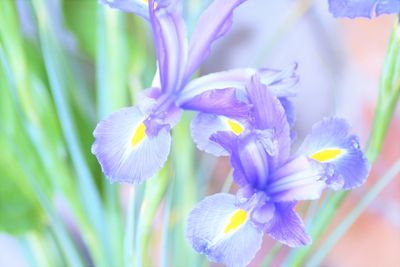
(340, 61)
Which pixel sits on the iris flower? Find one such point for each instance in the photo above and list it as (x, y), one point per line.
(363, 8)
(133, 143)
(228, 228)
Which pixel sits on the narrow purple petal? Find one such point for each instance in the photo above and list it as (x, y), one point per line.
(124, 150)
(270, 114)
(213, 24)
(169, 32)
(220, 102)
(206, 232)
(331, 144)
(287, 227)
(299, 179)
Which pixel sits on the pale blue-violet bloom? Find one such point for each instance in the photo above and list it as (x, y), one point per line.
(133, 143)
(363, 8)
(229, 229)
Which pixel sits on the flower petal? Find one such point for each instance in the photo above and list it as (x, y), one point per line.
(125, 151)
(215, 22)
(363, 8)
(169, 32)
(223, 232)
(270, 114)
(298, 179)
(139, 7)
(331, 144)
(287, 227)
(281, 83)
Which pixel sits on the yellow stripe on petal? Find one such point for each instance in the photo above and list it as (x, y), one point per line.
(235, 127)
(327, 154)
(236, 220)
(139, 135)
(147, 1)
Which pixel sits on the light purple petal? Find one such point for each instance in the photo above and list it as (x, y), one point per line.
(350, 165)
(138, 7)
(299, 179)
(363, 8)
(287, 227)
(120, 160)
(281, 83)
(220, 102)
(215, 21)
(169, 32)
(270, 114)
(205, 232)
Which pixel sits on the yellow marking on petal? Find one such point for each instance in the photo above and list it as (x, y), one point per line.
(236, 220)
(327, 154)
(139, 135)
(235, 127)
(147, 1)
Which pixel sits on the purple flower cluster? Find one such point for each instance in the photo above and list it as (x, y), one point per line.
(245, 114)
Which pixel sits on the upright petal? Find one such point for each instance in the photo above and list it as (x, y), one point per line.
(124, 149)
(214, 23)
(330, 143)
(287, 227)
(270, 114)
(222, 231)
(169, 32)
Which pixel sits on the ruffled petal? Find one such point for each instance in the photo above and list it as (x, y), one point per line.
(363, 8)
(222, 231)
(124, 149)
(299, 179)
(281, 83)
(287, 227)
(270, 114)
(169, 32)
(215, 22)
(331, 144)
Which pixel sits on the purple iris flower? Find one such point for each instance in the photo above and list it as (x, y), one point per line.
(133, 143)
(363, 8)
(229, 229)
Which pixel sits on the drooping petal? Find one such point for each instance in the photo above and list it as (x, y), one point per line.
(125, 151)
(169, 32)
(363, 8)
(299, 179)
(281, 83)
(139, 7)
(221, 102)
(222, 231)
(331, 144)
(215, 22)
(204, 126)
(270, 114)
(287, 227)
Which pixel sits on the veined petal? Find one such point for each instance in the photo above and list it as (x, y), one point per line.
(330, 143)
(222, 231)
(299, 179)
(215, 22)
(220, 102)
(139, 7)
(204, 125)
(281, 83)
(363, 8)
(287, 227)
(269, 113)
(169, 32)
(125, 151)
